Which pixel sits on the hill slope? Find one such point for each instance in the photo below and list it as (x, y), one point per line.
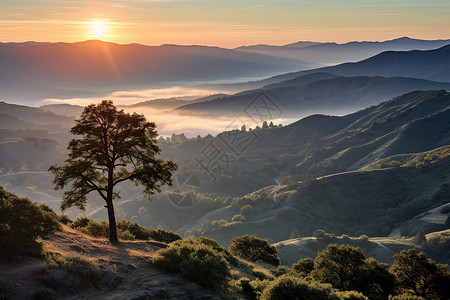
(316, 93)
(125, 267)
(427, 64)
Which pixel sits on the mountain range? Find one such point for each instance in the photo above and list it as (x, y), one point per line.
(334, 53)
(34, 71)
(341, 88)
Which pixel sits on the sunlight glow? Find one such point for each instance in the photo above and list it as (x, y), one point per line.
(99, 28)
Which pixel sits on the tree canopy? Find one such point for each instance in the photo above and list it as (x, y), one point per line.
(422, 276)
(113, 146)
(254, 249)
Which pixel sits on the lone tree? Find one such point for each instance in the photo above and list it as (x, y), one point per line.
(113, 147)
(254, 249)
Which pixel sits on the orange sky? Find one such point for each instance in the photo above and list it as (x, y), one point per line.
(223, 23)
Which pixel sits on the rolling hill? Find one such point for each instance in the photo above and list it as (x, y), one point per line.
(387, 164)
(341, 174)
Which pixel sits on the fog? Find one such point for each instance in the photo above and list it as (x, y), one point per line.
(169, 121)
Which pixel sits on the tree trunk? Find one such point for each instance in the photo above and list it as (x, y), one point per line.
(109, 205)
(112, 223)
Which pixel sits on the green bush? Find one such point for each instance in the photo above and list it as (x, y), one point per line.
(247, 289)
(80, 223)
(96, 229)
(303, 267)
(164, 236)
(195, 261)
(406, 296)
(215, 245)
(21, 223)
(83, 269)
(138, 231)
(126, 230)
(64, 219)
(281, 270)
(260, 275)
(350, 295)
(295, 288)
(254, 249)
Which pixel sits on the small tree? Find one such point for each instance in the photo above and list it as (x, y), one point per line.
(254, 249)
(114, 147)
(417, 274)
(340, 265)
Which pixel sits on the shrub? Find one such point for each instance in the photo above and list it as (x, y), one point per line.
(215, 245)
(64, 219)
(247, 289)
(260, 275)
(406, 296)
(139, 232)
(96, 229)
(350, 295)
(195, 261)
(80, 223)
(303, 267)
(83, 269)
(125, 235)
(21, 223)
(281, 270)
(164, 236)
(254, 249)
(293, 288)
(126, 230)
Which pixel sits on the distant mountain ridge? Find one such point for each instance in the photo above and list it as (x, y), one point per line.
(334, 53)
(317, 93)
(94, 66)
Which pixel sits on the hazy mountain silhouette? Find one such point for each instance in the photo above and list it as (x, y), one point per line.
(429, 64)
(317, 93)
(334, 53)
(102, 66)
(34, 115)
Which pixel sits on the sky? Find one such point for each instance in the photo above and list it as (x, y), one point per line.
(224, 23)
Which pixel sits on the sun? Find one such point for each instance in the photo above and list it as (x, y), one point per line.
(99, 28)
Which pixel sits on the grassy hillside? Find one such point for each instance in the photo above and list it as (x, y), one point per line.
(334, 173)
